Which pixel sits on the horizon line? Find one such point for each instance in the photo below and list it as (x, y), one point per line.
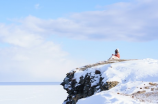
(30, 83)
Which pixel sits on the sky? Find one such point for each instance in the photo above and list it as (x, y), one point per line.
(42, 40)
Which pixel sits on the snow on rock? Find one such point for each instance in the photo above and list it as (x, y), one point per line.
(137, 70)
(138, 82)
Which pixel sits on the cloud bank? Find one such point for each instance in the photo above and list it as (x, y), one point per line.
(30, 57)
(133, 21)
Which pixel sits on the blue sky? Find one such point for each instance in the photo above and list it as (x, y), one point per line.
(41, 40)
(49, 9)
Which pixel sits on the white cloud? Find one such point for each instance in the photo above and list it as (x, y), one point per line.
(19, 36)
(37, 6)
(30, 57)
(45, 62)
(133, 21)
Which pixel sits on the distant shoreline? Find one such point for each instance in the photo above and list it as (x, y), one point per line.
(30, 83)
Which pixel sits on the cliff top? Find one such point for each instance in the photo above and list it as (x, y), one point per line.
(138, 81)
(103, 62)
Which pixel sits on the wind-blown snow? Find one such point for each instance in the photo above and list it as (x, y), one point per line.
(133, 76)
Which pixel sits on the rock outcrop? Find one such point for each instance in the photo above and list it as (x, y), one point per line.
(87, 84)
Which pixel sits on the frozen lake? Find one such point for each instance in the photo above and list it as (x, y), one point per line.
(32, 93)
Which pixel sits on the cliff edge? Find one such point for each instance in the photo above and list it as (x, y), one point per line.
(109, 81)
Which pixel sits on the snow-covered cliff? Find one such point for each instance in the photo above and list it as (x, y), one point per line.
(116, 82)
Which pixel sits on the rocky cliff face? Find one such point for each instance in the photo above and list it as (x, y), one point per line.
(88, 84)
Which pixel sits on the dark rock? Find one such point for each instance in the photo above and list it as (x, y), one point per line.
(97, 72)
(62, 84)
(83, 88)
(73, 82)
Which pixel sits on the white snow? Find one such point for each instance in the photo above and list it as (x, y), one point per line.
(32, 94)
(133, 77)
